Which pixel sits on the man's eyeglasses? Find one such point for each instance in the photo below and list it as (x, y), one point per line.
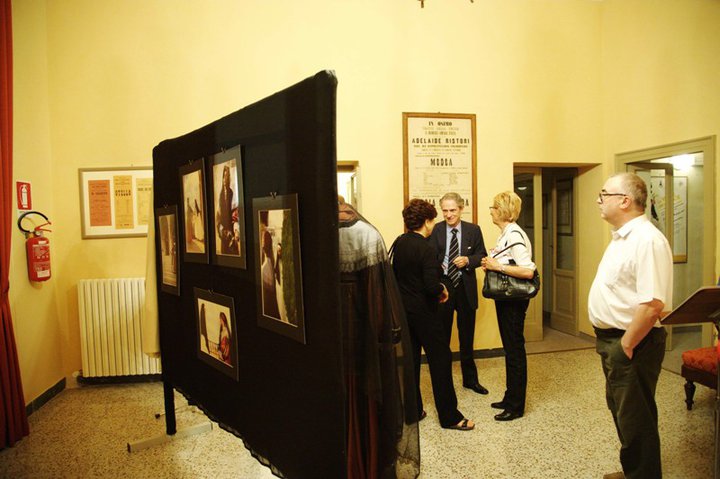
(603, 194)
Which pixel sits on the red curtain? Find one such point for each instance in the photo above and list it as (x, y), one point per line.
(13, 418)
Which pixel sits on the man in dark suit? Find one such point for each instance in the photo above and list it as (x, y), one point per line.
(459, 247)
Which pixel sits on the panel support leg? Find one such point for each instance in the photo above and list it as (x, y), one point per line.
(172, 434)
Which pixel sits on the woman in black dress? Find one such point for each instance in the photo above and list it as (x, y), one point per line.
(418, 275)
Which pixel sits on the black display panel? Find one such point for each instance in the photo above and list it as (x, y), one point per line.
(288, 401)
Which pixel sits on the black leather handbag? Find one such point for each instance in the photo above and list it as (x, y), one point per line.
(502, 287)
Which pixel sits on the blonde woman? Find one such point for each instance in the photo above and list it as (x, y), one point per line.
(515, 261)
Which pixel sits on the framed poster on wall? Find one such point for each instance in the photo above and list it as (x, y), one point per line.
(439, 157)
(115, 202)
(564, 207)
(680, 194)
(659, 210)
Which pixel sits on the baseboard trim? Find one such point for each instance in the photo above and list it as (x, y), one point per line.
(587, 337)
(482, 354)
(41, 400)
(477, 354)
(135, 378)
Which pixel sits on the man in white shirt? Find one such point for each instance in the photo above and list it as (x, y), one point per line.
(633, 286)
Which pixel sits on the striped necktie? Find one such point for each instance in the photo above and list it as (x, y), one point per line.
(452, 271)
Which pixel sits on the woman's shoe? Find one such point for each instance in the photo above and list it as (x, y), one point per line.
(507, 415)
(462, 425)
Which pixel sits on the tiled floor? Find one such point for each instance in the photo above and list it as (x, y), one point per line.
(555, 341)
(567, 432)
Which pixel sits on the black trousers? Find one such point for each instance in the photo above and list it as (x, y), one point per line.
(511, 321)
(458, 302)
(426, 332)
(630, 394)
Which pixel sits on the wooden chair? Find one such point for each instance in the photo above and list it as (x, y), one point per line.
(699, 366)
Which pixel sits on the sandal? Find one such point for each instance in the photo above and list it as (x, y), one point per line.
(462, 426)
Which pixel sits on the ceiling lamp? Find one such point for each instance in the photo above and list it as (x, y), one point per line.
(682, 162)
(422, 3)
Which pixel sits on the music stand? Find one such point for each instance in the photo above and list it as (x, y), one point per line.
(703, 306)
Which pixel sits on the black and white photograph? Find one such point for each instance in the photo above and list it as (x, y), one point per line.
(279, 272)
(192, 182)
(167, 232)
(216, 338)
(228, 231)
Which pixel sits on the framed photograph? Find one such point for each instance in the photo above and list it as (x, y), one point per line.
(278, 272)
(217, 331)
(564, 207)
(167, 233)
(228, 225)
(192, 185)
(439, 157)
(115, 202)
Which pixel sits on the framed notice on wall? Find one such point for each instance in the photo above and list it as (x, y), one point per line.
(115, 202)
(439, 157)
(680, 193)
(658, 212)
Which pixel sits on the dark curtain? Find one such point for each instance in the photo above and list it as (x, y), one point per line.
(13, 419)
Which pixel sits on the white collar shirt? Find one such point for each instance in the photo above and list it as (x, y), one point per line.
(636, 268)
(520, 254)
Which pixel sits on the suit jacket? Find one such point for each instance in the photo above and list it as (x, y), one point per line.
(472, 246)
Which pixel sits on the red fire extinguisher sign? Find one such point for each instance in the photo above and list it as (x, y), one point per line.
(24, 198)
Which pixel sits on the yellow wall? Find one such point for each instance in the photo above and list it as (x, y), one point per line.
(660, 76)
(39, 330)
(546, 79)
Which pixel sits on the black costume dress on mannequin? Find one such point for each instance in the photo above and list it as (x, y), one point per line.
(383, 437)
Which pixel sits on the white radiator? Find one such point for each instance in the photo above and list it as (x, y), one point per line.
(111, 312)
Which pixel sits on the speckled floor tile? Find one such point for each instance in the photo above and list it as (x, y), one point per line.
(567, 432)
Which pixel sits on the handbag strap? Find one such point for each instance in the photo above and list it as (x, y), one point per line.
(508, 247)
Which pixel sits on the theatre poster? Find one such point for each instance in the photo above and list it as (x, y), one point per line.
(439, 157)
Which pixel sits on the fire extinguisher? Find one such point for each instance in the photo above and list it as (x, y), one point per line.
(38, 249)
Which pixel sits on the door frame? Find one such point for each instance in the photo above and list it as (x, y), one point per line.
(706, 145)
(534, 315)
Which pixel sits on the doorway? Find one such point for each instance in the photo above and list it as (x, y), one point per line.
(548, 215)
(348, 177)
